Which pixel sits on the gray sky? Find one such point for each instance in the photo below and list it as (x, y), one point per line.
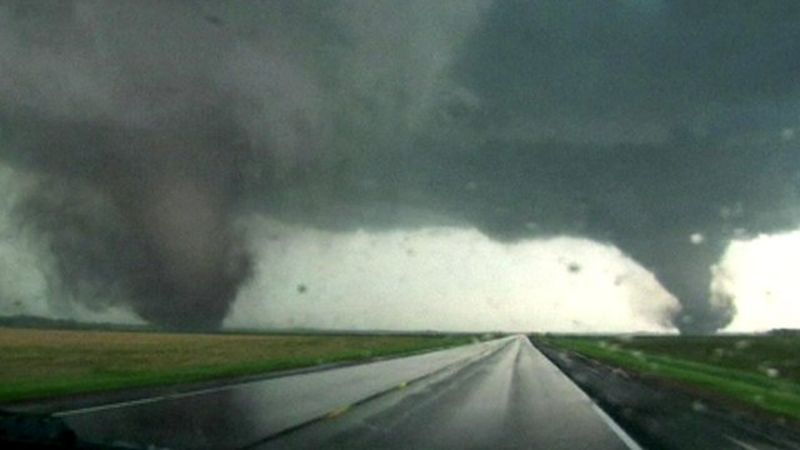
(141, 137)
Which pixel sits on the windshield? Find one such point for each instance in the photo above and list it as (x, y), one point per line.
(403, 166)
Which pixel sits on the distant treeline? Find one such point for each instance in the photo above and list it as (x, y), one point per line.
(25, 321)
(794, 332)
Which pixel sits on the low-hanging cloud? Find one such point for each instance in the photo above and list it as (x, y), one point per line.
(443, 278)
(151, 128)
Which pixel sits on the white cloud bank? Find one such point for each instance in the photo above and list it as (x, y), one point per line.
(444, 279)
(762, 276)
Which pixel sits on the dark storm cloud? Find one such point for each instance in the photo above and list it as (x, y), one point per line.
(144, 139)
(154, 125)
(638, 123)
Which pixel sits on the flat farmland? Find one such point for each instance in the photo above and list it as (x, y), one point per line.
(761, 371)
(37, 363)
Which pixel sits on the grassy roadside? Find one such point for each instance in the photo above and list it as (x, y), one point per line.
(48, 363)
(763, 390)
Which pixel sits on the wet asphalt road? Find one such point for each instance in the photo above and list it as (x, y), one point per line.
(511, 399)
(497, 394)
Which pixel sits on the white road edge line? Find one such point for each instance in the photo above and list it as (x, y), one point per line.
(741, 444)
(142, 401)
(623, 436)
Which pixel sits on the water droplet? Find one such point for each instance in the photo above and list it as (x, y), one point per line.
(698, 406)
(697, 238)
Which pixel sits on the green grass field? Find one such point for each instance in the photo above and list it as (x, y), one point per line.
(45, 363)
(760, 371)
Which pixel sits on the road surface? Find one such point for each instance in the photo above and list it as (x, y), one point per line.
(497, 394)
